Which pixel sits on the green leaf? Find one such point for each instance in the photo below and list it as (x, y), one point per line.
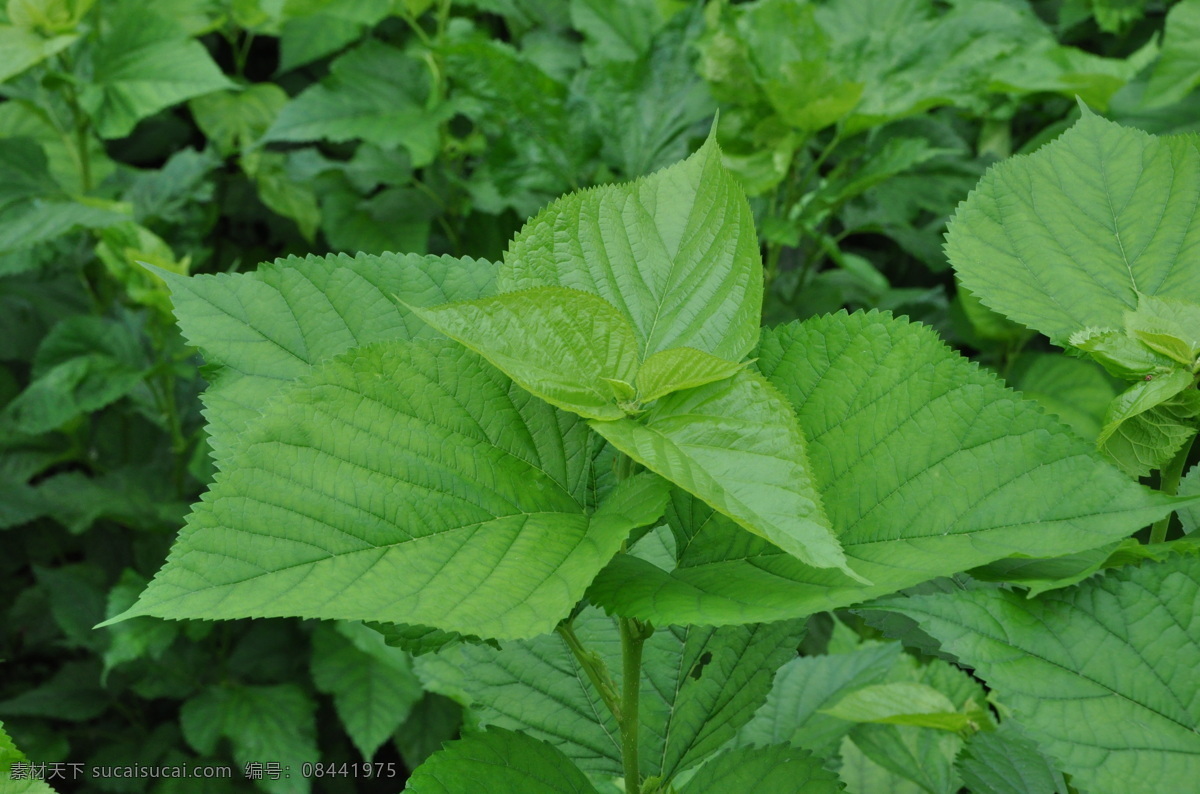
(395, 219)
(764, 770)
(735, 444)
(534, 154)
(1149, 422)
(1006, 761)
(69, 390)
(419, 640)
(143, 63)
(261, 722)
(260, 330)
(1123, 356)
(699, 686)
(906, 754)
(373, 686)
(615, 30)
(675, 252)
(325, 27)
(1178, 69)
(232, 120)
(21, 48)
(558, 343)
(1076, 391)
(647, 113)
(900, 703)
(282, 193)
(863, 776)
(23, 781)
(983, 475)
(1066, 238)
(794, 712)
(375, 93)
(680, 368)
(498, 761)
(460, 480)
(1118, 719)
(1168, 327)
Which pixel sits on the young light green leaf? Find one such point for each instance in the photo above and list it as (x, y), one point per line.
(1123, 356)
(1121, 719)
(143, 62)
(560, 344)
(260, 330)
(1150, 439)
(1067, 237)
(900, 703)
(699, 686)
(498, 761)
(465, 511)
(764, 770)
(675, 252)
(735, 444)
(680, 368)
(1168, 327)
(373, 686)
(1150, 421)
(984, 475)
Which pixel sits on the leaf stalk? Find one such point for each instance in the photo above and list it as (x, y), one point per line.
(1169, 484)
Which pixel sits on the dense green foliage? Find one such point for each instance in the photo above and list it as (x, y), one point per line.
(541, 448)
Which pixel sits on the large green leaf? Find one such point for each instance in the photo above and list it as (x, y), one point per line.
(561, 344)
(1065, 239)
(736, 444)
(143, 63)
(699, 686)
(928, 466)
(408, 483)
(498, 761)
(764, 770)
(258, 331)
(675, 252)
(1102, 676)
(376, 93)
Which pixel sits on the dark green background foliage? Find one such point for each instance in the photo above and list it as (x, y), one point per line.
(206, 136)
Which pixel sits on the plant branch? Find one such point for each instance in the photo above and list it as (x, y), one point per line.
(1169, 484)
(634, 634)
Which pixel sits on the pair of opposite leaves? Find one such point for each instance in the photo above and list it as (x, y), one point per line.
(576, 351)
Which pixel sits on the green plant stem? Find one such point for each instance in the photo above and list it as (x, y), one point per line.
(634, 634)
(1169, 484)
(595, 669)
